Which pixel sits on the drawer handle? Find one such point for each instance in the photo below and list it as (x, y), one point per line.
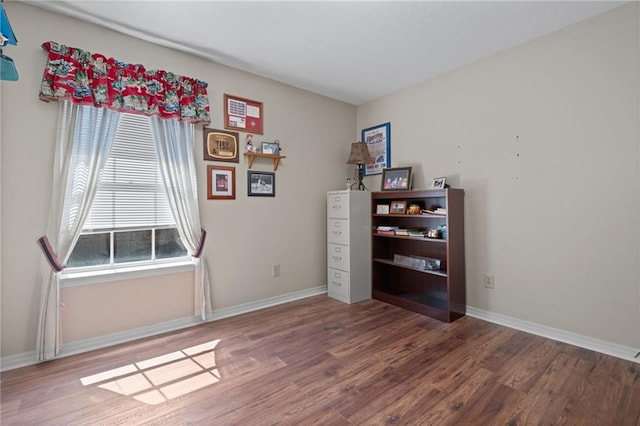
(338, 284)
(337, 257)
(337, 232)
(337, 207)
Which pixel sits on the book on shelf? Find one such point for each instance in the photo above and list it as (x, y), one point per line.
(402, 232)
(385, 232)
(386, 228)
(438, 211)
(417, 233)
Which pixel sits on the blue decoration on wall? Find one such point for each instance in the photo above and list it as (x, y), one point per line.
(8, 70)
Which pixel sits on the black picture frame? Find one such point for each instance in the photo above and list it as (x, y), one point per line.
(439, 183)
(261, 184)
(272, 148)
(396, 179)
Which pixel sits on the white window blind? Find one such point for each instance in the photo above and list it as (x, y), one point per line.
(130, 192)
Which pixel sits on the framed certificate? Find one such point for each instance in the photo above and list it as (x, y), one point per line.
(243, 114)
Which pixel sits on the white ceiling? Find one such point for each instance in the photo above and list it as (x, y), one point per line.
(352, 51)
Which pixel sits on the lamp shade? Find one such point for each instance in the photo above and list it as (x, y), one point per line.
(360, 154)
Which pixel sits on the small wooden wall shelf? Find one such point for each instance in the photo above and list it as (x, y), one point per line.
(276, 158)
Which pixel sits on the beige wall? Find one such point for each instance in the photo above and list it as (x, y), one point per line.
(544, 139)
(245, 237)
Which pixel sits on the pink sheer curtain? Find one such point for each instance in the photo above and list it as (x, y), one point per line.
(83, 77)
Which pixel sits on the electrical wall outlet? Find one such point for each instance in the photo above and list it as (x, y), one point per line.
(276, 271)
(489, 281)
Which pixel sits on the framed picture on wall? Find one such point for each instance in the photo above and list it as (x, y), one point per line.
(243, 114)
(220, 145)
(221, 183)
(261, 184)
(378, 140)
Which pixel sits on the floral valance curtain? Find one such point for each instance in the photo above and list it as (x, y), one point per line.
(83, 77)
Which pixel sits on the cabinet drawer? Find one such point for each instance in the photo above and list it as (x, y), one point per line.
(338, 205)
(338, 256)
(338, 283)
(338, 231)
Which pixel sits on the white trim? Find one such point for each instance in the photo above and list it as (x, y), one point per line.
(265, 303)
(80, 278)
(602, 346)
(72, 348)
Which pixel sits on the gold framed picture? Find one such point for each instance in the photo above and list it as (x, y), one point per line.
(398, 207)
(220, 145)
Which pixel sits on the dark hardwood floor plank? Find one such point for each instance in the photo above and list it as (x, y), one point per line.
(405, 405)
(627, 409)
(530, 366)
(456, 402)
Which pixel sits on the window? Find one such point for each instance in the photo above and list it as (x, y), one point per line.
(130, 219)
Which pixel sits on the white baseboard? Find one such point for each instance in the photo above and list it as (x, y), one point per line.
(72, 348)
(602, 346)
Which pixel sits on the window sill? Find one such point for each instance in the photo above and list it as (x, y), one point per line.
(76, 279)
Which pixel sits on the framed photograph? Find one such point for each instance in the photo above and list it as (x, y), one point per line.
(243, 114)
(382, 209)
(398, 207)
(220, 145)
(271, 148)
(396, 179)
(261, 184)
(378, 140)
(438, 183)
(221, 183)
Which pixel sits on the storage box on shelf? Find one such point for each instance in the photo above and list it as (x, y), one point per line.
(414, 285)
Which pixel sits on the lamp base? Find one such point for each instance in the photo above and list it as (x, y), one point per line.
(358, 185)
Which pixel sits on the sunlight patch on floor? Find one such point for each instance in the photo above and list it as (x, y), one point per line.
(159, 379)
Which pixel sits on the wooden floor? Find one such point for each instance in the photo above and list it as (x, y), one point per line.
(319, 361)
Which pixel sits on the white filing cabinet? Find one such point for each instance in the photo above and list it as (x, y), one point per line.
(349, 245)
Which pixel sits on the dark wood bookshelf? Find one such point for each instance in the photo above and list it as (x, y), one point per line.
(437, 293)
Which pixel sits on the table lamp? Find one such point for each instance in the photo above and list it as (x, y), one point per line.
(359, 156)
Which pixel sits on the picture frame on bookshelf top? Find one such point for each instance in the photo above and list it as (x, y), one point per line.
(439, 183)
(396, 179)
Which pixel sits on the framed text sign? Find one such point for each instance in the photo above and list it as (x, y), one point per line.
(378, 140)
(220, 145)
(243, 115)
